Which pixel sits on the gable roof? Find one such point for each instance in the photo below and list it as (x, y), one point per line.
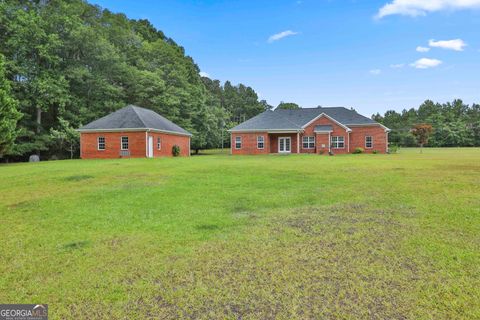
(296, 119)
(133, 117)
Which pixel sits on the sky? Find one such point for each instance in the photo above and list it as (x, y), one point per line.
(367, 54)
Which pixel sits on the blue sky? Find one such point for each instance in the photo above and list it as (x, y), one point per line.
(360, 54)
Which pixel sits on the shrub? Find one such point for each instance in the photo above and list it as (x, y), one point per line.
(321, 152)
(358, 150)
(393, 148)
(176, 151)
(375, 151)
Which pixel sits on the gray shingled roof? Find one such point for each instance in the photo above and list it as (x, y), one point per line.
(323, 128)
(133, 117)
(297, 118)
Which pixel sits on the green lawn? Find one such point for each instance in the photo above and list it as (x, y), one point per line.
(252, 237)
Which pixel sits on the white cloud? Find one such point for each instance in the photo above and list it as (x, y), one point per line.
(397, 65)
(281, 35)
(422, 49)
(455, 44)
(375, 72)
(422, 7)
(204, 74)
(426, 63)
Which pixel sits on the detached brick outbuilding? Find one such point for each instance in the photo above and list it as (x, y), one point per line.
(132, 132)
(319, 130)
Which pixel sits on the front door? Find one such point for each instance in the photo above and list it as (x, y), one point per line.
(284, 145)
(150, 146)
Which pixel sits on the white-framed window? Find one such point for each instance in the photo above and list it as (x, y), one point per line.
(308, 142)
(124, 143)
(368, 142)
(338, 142)
(159, 143)
(260, 142)
(238, 142)
(101, 143)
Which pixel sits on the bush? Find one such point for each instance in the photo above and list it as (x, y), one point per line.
(393, 148)
(375, 152)
(176, 151)
(358, 150)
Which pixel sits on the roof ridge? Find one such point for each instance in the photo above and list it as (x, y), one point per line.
(134, 107)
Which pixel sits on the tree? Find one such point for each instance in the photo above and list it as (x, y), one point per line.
(65, 138)
(8, 113)
(288, 106)
(71, 62)
(421, 133)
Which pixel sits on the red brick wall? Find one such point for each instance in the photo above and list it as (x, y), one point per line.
(167, 142)
(358, 134)
(88, 145)
(323, 138)
(249, 143)
(137, 144)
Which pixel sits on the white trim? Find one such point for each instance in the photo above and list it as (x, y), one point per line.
(235, 142)
(121, 143)
(370, 142)
(308, 142)
(263, 141)
(289, 143)
(337, 142)
(189, 147)
(323, 114)
(369, 125)
(146, 144)
(104, 143)
(133, 129)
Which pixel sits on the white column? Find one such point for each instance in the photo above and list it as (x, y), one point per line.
(298, 142)
(329, 143)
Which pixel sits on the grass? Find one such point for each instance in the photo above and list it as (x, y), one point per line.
(214, 237)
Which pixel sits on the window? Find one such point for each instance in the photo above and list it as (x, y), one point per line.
(260, 142)
(338, 142)
(238, 142)
(368, 142)
(124, 143)
(308, 142)
(159, 143)
(101, 143)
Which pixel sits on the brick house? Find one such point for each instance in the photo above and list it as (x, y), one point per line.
(132, 132)
(309, 130)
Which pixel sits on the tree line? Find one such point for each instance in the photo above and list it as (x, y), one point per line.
(455, 124)
(66, 63)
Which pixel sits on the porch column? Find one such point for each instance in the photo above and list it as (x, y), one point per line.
(298, 142)
(329, 143)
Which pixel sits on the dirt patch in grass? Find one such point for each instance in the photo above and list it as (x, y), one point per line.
(78, 177)
(328, 262)
(74, 245)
